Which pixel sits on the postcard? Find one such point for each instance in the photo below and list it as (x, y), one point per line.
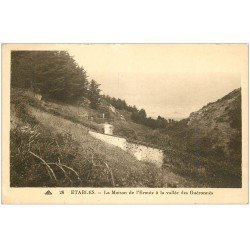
(125, 123)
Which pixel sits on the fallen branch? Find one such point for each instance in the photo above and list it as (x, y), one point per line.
(30, 144)
(93, 163)
(78, 177)
(65, 174)
(111, 174)
(92, 159)
(107, 166)
(59, 149)
(46, 164)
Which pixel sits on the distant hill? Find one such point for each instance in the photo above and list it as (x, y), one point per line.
(52, 101)
(213, 132)
(50, 146)
(199, 151)
(218, 125)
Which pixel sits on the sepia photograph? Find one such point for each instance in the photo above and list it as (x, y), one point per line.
(125, 124)
(126, 116)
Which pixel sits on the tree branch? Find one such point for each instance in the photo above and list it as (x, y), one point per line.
(45, 163)
(111, 173)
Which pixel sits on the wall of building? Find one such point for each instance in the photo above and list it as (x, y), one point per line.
(144, 153)
(113, 140)
(141, 152)
(108, 129)
(38, 96)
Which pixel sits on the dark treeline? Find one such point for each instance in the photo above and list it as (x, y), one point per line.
(56, 76)
(138, 116)
(53, 74)
(119, 104)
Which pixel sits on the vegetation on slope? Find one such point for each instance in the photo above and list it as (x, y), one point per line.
(57, 76)
(48, 150)
(214, 134)
(54, 74)
(60, 125)
(206, 147)
(138, 116)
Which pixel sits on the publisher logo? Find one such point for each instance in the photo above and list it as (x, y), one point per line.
(48, 193)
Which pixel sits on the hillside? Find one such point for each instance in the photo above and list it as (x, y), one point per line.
(50, 146)
(214, 130)
(54, 104)
(197, 150)
(221, 122)
(213, 133)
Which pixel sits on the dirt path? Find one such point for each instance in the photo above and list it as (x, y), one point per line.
(120, 160)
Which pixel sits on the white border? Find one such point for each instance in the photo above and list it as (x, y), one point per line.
(125, 227)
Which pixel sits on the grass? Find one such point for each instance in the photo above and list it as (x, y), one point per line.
(40, 137)
(63, 139)
(126, 169)
(201, 171)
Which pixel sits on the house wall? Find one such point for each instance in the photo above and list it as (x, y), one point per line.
(141, 152)
(116, 141)
(108, 129)
(38, 97)
(144, 153)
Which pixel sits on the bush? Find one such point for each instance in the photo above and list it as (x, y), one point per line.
(203, 171)
(33, 146)
(54, 74)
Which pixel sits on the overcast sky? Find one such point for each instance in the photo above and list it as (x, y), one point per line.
(167, 80)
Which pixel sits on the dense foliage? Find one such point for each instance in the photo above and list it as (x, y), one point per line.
(56, 76)
(138, 115)
(94, 94)
(53, 74)
(53, 149)
(214, 133)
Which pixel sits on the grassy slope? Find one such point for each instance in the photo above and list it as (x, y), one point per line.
(64, 129)
(211, 140)
(126, 169)
(49, 135)
(209, 131)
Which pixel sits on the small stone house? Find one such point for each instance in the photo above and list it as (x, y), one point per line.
(108, 129)
(38, 96)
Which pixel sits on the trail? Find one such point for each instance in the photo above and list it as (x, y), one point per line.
(80, 133)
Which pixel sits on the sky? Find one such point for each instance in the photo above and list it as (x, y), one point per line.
(167, 80)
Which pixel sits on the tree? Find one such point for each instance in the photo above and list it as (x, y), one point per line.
(142, 114)
(94, 94)
(161, 122)
(54, 73)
